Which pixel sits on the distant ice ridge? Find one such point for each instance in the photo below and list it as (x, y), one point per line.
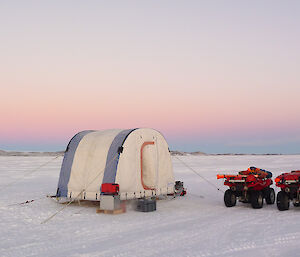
(179, 153)
(15, 153)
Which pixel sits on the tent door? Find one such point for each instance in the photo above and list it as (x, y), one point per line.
(148, 165)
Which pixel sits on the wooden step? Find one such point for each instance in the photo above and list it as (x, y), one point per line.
(118, 211)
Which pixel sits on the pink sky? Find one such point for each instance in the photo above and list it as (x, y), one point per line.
(199, 73)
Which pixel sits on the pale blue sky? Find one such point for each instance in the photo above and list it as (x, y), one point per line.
(213, 76)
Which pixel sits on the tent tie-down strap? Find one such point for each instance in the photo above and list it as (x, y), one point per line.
(198, 174)
(29, 173)
(26, 202)
(74, 199)
(32, 200)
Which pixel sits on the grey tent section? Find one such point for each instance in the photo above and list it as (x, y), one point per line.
(113, 156)
(62, 188)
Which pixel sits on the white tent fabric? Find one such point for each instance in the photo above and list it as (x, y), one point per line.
(138, 160)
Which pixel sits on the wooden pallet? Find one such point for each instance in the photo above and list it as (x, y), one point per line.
(118, 211)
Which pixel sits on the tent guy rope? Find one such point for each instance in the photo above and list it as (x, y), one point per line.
(29, 173)
(198, 174)
(74, 199)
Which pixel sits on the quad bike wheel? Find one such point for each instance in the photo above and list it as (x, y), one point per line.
(229, 198)
(257, 199)
(270, 196)
(283, 202)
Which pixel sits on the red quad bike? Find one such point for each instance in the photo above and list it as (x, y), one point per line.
(290, 190)
(250, 186)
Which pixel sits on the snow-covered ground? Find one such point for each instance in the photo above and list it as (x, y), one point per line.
(196, 225)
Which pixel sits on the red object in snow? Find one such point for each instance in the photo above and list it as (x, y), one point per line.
(290, 190)
(252, 185)
(183, 193)
(286, 179)
(110, 188)
(250, 181)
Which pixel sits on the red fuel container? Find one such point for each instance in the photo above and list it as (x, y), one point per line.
(110, 189)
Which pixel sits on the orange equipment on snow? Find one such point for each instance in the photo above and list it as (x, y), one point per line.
(251, 185)
(256, 171)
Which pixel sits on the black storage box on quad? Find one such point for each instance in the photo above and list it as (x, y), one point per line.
(146, 205)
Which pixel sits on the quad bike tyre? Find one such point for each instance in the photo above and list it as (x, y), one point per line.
(257, 199)
(229, 198)
(270, 196)
(282, 201)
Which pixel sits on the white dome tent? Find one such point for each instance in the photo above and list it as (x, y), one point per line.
(138, 160)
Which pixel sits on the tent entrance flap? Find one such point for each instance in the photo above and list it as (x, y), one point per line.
(148, 165)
